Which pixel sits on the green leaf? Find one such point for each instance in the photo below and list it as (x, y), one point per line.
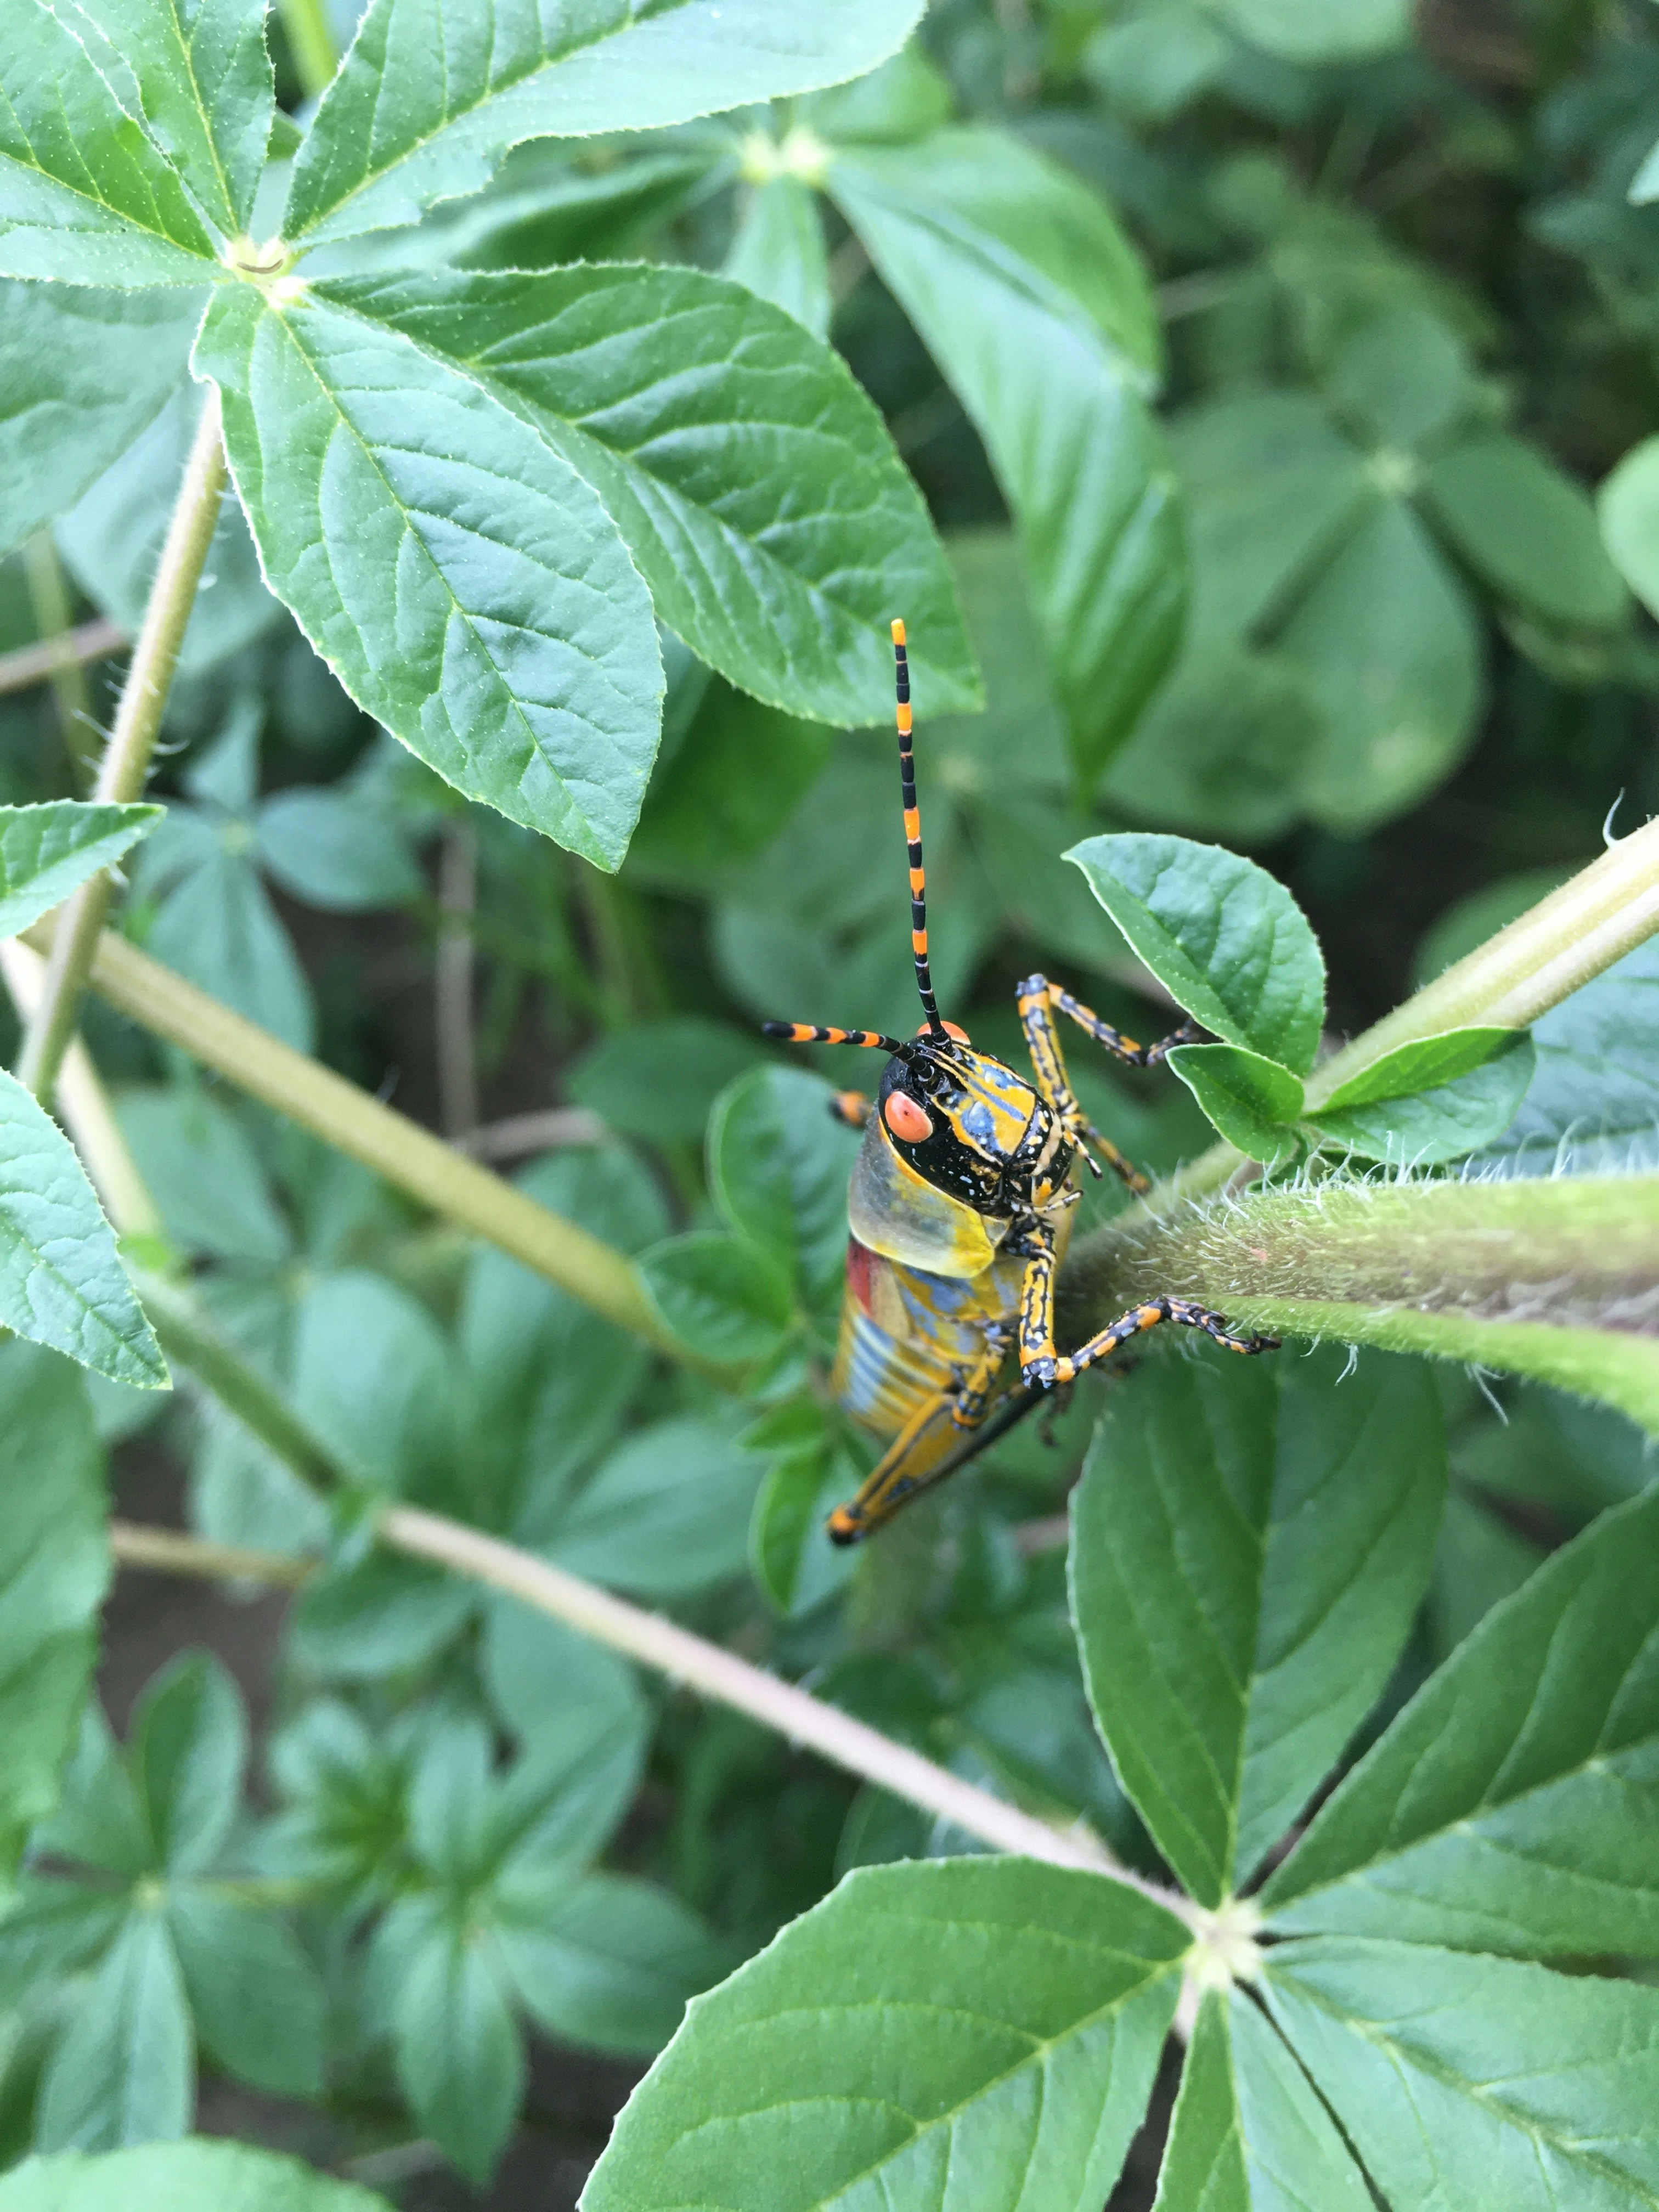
(204, 1173)
(54, 1568)
(200, 2176)
(667, 1511)
(724, 1300)
(778, 252)
(52, 1930)
(1249, 2128)
(1038, 314)
(98, 1820)
(1511, 1806)
(781, 560)
(908, 97)
(1315, 31)
(658, 1079)
(1477, 2081)
(336, 852)
(464, 583)
(372, 1373)
(111, 540)
(790, 1556)
(980, 2031)
(1250, 1542)
(607, 1961)
(1440, 1121)
(1229, 943)
(85, 196)
(578, 1712)
(427, 104)
(45, 851)
(61, 1278)
(1628, 511)
(197, 73)
(1154, 61)
(1222, 750)
(82, 372)
(1402, 378)
(778, 1165)
(1592, 1106)
(1526, 530)
(461, 2056)
(741, 770)
(1249, 1098)
(124, 2069)
(188, 1748)
(255, 1997)
(218, 928)
(1389, 642)
(1423, 1065)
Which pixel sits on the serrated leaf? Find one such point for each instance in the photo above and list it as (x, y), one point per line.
(973, 2032)
(1443, 1120)
(1036, 311)
(461, 2056)
(189, 1750)
(197, 73)
(667, 1511)
(1593, 1105)
(1249, 1099)
(1250, 2134)
(778, 252)
(778, 1165)
(606, 1961)
(428, 102)
(124, 2069)
(85, 196)
(1511, 1806)
(54, 1568)
(1527, 530)
(82, 372)
(1229, 943)
(1250, 1542)
(724, 1299)
(201, 2176)
(1479, 2082)
(255, 1997)
(463, 582)
(47, 850)
(62, 1282)
(781, 558)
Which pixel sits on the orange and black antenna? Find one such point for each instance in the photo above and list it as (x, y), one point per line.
(805, 1033)
(913, 837)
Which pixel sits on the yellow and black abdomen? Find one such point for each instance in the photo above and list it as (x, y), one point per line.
(906, 1334)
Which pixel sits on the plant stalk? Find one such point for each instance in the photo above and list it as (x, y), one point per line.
(50, 600)
(310, 42)
(29, 665)
(167, 1551)
(452, 980)
(126, 759)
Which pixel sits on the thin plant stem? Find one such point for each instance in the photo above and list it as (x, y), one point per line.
(452, 1008)
(50, 600)
(35, 663)
(168, 1552)
(126, 759)
(310, 42)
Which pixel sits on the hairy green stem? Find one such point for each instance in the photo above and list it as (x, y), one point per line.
(1556, 1279)
(310, 42)
(126, 759)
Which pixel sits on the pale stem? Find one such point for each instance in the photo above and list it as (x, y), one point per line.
(168, 1552)
(546, 1131)
(49, 599)
(126, 759)
(458, 899)
(311, 43)
(33, 664)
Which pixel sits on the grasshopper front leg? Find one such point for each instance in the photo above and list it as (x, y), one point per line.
(1042, 1366)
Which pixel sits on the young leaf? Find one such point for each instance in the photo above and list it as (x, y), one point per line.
(45, 851)
(188, 1748)
(1440, 1122)
(1250, 1542)
(779, 252)
(82, 372)
(465, 584)
(1512, 1804)
(255, 1996)
(54, 1567)
(577, 1710)
(200, 2176)
(60, 1280)
(124, 2069)
(1249, 1099)
(603, 1961)
(991, 2017)
(1423, 1065)
(461, 2056)
(1477, 2081)
(427, 103)
(85, 196)
(1038, 312)
(1628, 508)
(1228, 943)
(724, 1299)
(197, 73)
(668, 1511)
(1527, 530)
(1249, 2128)
(778, 1164)
(780, 559)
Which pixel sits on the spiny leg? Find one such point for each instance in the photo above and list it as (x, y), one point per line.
(1037, 999)
(1042, 1366)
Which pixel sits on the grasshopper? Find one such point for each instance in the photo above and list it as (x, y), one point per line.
(959, 1210)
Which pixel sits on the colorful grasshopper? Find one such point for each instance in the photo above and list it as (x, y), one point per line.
(960, 1208)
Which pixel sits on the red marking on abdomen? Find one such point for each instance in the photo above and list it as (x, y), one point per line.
(859, 1257)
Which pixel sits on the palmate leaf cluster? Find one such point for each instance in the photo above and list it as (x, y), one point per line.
(594, 393)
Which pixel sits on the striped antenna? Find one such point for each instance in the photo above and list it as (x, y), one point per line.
(805, 1033)
(913, 838)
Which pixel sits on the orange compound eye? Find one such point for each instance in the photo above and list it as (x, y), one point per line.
(951, 1029)
(906, 1119)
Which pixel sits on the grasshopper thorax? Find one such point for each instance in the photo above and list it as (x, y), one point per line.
(970, 1127)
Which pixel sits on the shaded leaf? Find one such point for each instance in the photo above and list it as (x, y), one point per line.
(255, 1997)
(1526, 529)
(336, 852)
(461, 2056)
(124, 2069)
(1444, 1120)
(778, 1165)
(724, 1299)
(1593, 1104)
(658, 1079)
(779, 252)
(45, 851)
(606, 1961)
(667, 1511)
(189, 1750)
(186, 2177)
(218, 928)
(1628, 511)
(204, 1173)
